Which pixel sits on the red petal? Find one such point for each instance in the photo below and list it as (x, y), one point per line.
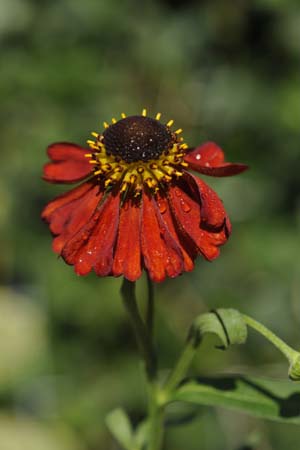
(213, 214)
(64, 199)
(127, 259)
(73, 216)
(188, 219)
(93, 245)
(162, 255)
(69, 163)
(209, 160)
(164, 208)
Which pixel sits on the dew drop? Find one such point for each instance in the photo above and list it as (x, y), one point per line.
(177, 192)
(185, 206)
(162, 207)
(198, 157)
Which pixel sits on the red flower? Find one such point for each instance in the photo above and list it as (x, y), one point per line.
(138, 207)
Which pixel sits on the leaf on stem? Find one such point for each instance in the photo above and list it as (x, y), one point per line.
(227, 324)
(119, 425)
(276, 400)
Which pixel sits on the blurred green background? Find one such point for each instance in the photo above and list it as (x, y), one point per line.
(224, 71)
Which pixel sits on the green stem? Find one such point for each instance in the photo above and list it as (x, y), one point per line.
(143, 333)
(142, 336)
(156, 413)
(182, 366)
(150, 307)
(292, 355)
(289, 353)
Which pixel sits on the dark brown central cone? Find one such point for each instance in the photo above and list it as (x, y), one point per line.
(137, 138)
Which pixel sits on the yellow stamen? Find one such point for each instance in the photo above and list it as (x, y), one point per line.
(178, 131)
(114, 120)
(151, 183)
(123, 115)
(106, 167)
(93, 133)
(177, 173)
(158, 116)
(144, 112)
(88, 155)
(98, 172)
(133, 179)
(123, 186)
(170, 123)
(105, 124)
(93, 145)
(92, 161)
(160, 174)
(184, 146)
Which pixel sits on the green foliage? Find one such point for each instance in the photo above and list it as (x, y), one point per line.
(119, 425)
(227, 324)
(224, 72)
(275, 400)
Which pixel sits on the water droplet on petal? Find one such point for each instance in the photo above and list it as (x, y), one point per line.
(162, 206)
(185, 206)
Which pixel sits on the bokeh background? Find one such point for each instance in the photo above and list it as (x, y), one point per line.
(224, 71)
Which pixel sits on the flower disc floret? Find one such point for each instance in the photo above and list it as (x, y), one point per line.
(137, 152)
(138, 138)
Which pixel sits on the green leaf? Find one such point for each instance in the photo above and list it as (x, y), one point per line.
(141, 434)
(269, 399)
(227, 324)
(119, 425)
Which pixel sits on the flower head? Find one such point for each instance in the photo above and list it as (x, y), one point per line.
(138, 207)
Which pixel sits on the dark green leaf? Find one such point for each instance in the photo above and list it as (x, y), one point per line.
(270, 399)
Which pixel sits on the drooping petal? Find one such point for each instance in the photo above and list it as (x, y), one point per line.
(161, 254)
(68, 163)
(64, 199)
(93, 245)
(209, 159)
(186, 212)
(73, 216)
(213, 214)
(127, 258)
(164, 208)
